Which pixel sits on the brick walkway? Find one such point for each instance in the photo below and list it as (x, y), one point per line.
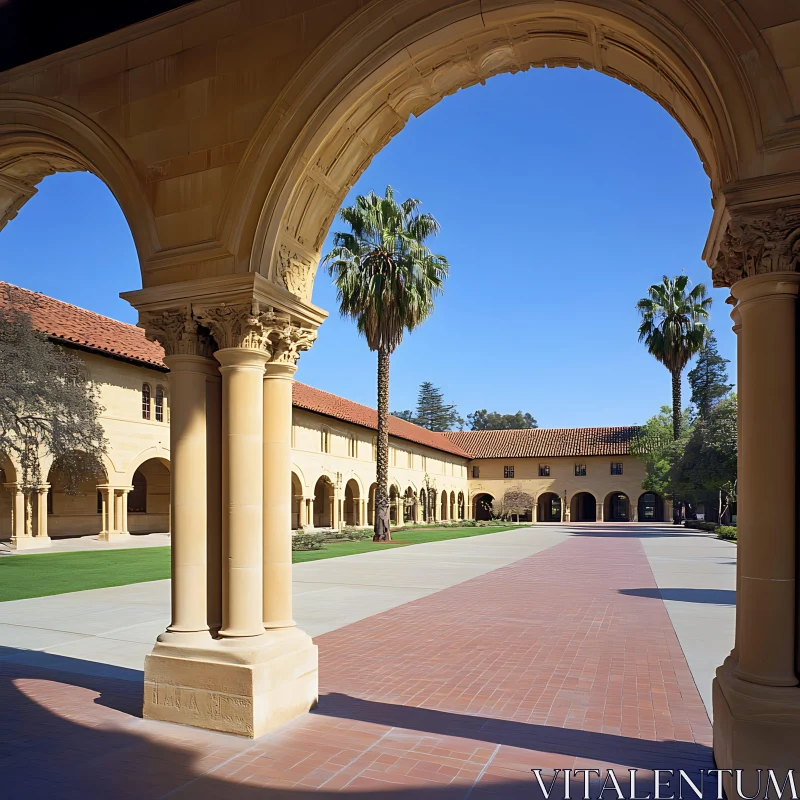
(543, 663)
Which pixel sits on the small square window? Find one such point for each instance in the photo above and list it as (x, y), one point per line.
(580, 470)
(616, 468)
(544, 470)
(476, 471)
(508, 472)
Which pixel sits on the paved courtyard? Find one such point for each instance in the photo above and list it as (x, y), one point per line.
(448, 669)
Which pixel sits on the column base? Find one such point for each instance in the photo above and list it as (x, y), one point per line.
(30, 542)
(755, 727)
(245, 686)
(113, 536)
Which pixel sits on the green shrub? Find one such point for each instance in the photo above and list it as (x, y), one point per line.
(727, 532)
(308, 541)
(357, 534)
(700, 525)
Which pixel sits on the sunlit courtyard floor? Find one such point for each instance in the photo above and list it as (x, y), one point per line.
(448, 669)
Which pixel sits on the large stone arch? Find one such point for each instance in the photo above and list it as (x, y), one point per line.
(40, 136)
(389, 62)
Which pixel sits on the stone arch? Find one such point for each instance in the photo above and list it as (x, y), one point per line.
(549, 507)
(301, 477)
(583, 507)
(298, 498)
(352, 499)
(371, 503)
(45, 136)
(462, 507)
(76, 510)
(149, 501)
(324, 500)
(482, 506)
(617, 507)
(159, 453)
(8, 474)
(368, 78)
(410, 504)
(650, 507)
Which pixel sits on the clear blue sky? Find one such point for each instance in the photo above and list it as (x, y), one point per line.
(562, 194)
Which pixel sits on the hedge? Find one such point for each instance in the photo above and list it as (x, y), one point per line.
(727, 532)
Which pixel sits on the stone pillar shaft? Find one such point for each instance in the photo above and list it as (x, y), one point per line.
(41, 528)
(767, 465)
(242, 488)
(277, 525)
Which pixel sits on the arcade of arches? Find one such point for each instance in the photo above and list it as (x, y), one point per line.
(170, 110)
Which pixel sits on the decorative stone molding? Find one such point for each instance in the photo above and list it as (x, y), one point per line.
(242, 325)
(177, 332)
(296, 272)
(758, 243)
(289, 340)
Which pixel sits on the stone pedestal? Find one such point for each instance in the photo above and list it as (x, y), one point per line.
(246, 686)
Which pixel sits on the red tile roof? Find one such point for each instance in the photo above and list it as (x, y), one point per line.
(546, 442)
(76, 326)
(70, 324)
(332, 405)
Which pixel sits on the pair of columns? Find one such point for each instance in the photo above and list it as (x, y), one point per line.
(232, 658)
(114, 512)
(23, 536)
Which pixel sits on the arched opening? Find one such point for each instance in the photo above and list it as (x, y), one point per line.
(149, 500)
(482, 506)
(373, 490)
(453, 514)
(548, 507)
(352, 498)
(462, 509)
(583, 507)
(297, 502)
(395, 510)
(7, 476)
(651, 507)
(444, 507)
(423, 505)
(74, 501)
(617, 507)
(410, 505)
(324, 498)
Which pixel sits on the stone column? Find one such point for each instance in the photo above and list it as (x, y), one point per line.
(42, 537)
(106, 512)
(599, 512)
(755, 693)
(535, 510)
(20, 532)
(123, 528)
(115, 525)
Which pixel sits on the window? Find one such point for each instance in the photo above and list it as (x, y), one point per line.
(374, 449)
(544, 470)
(616, 468)
(508, 472)
(425, 463)
(410, 460)
(580, 470)
(325, 440)
(394, 456)
(159, 404)
(145, 401)
(352, 446)
(476, 471)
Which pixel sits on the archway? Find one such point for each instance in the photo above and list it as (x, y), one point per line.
(371, 504)
(444, 507)
(395, 505)
(75, 504)
(8, 475)
(423, 505)
(482, 506)
(148, 503)
(324, 499)
(409, 505)
(651, 507)
(617, 507)
(453, 511)
(298, 518)
(583, 507)
(548, 507)
(462, 508)
(352, 498)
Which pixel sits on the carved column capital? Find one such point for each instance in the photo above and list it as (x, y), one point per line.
(289, 340)
(758, 243)
(296, 271)
(243, 325)
(177, 332)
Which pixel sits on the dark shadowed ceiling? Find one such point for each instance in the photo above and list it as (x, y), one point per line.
(31, 29)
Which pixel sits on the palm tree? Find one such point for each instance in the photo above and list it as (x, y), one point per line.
(673, 329)
(386, 280)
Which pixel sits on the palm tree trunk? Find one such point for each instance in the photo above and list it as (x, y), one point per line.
(382, 529)
(677, 506)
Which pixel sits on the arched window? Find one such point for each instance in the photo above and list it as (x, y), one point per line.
(145, 401)
(159, 404)
(325, 440)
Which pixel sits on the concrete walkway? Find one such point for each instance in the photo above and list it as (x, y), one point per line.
(547, 647)
(77, 544)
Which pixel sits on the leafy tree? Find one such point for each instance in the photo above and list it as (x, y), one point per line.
(407, 415)
(709, 378)
(386, 279)
(432, 412)
(661, 451)
(48, 407)
(516, 502)
(483, 420)
(673, 330)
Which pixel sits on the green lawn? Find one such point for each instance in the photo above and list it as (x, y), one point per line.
(57, 573)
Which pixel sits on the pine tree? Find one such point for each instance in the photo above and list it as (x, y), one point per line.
(432, 412)
(709, 379)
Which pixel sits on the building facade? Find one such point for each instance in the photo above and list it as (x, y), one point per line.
(571, 475)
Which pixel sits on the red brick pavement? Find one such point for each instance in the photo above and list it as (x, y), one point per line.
(543, 663)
